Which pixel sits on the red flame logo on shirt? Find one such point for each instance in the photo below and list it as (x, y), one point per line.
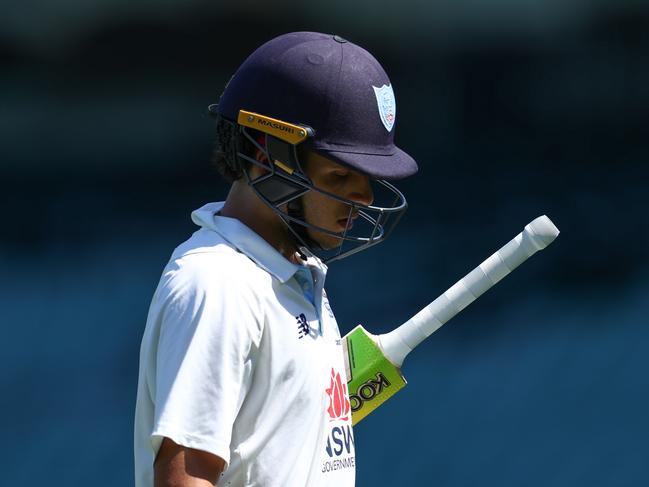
(338, 401)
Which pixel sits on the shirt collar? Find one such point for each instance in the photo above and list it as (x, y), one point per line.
(250, 243)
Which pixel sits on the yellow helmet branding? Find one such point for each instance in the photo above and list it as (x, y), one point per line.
(288, 132)
(283, 166)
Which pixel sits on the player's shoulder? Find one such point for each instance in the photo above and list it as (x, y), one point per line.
(208, 260)
(205, 280)
(202, 241)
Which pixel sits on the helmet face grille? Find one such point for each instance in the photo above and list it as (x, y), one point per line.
(282, 185)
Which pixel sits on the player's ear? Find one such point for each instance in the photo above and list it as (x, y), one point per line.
(259, 154)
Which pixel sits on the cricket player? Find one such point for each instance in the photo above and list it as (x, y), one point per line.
(242, 380)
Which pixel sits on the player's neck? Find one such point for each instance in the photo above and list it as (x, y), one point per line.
(244, 205)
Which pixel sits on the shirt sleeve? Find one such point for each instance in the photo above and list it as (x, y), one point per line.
(210, 326)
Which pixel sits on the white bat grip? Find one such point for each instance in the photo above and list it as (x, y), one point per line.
(400, 342)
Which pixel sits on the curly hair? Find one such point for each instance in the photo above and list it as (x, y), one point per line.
(229, 141)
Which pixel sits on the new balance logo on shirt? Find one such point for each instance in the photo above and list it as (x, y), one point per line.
(302, 326)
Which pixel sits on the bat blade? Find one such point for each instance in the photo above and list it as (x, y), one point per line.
(371, 378)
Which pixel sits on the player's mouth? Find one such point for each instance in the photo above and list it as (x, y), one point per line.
(347, 223)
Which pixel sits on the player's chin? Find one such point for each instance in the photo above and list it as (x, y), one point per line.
(326, 241)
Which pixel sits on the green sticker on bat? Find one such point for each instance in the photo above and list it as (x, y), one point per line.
(372, 378)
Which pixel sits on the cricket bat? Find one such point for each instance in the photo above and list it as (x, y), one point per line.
(373, 363)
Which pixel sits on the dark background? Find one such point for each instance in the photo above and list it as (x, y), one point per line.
(513, 109)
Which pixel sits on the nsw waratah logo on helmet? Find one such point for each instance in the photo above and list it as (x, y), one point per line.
(339, 406)
(387, 105)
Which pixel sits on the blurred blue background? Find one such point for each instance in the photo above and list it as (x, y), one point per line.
(513, 109)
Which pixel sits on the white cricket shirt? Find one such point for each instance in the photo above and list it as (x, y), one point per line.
(241, 357)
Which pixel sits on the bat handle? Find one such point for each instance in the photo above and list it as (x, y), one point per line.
(536, 235)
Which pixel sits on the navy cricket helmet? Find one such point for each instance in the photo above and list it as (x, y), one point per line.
(307, 89)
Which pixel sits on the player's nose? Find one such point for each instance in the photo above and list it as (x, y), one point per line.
(361, 190)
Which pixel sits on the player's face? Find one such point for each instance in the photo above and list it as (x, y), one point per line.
(325, 212)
